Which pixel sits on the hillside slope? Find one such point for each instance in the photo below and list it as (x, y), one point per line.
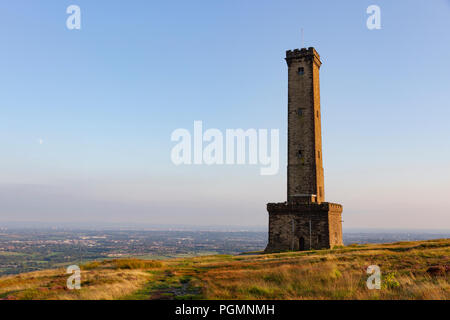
(410, 270)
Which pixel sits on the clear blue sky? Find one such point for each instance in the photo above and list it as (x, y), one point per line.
(105, 99)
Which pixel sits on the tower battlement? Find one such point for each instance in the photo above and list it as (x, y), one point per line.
(303, 53)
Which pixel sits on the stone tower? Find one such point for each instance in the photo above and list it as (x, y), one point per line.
(305, 221)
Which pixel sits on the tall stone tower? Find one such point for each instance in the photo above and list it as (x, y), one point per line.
(305, 221)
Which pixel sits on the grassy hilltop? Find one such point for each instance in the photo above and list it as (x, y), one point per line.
(410, 270)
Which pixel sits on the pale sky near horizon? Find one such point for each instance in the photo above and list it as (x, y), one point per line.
(86, 115)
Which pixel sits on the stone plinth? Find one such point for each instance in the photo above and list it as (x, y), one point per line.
(304, 226)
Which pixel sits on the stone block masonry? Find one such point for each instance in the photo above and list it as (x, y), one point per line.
(305, 221)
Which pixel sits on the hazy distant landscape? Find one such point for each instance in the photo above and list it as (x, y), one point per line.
(31, 249)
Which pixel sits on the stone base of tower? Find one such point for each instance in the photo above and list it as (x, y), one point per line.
(304, 226)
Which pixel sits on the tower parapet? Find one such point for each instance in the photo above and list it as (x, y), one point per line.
(309, 53)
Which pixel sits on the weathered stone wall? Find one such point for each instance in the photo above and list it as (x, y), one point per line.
(335, 225)
(305, 170)
(320, 185)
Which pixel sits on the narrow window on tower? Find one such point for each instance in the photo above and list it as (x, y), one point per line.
(301, 71)
(318, 154)
(300, 112)
(300, 154)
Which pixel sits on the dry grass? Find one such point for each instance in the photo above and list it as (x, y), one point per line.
(323, 274)
(335, 275)
(105, 280)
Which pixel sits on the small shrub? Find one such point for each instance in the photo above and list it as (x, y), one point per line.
(277, 278)
(185, 279)
(91, 265)
(135, 264)
(335, 274)
(389, 281)
(258, 292)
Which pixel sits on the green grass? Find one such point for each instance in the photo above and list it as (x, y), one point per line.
(122, 264)
(9, 253)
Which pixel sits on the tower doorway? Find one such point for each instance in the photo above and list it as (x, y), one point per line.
(301, 244)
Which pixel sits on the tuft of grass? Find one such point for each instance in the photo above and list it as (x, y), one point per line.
(135, 264)
(130, 264)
